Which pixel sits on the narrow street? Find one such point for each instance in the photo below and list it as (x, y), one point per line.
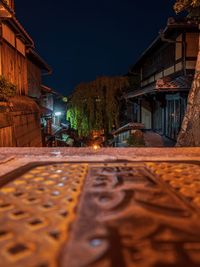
(153, 139)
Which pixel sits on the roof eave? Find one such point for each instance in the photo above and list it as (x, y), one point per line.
(170, 26)
(40, 62)
(17, 25)
(10, 17)
(7, 7)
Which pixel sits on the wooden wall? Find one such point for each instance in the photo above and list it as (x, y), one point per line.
(192, 44)
(6, 137)
(26, 130)
(34, 79)
(14, 67)
(18, 67)
(10, 3)
(162, 58)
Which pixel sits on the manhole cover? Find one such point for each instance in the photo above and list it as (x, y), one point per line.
(97, 214)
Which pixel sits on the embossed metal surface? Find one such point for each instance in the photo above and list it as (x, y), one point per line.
(183, 178)
(36, 211)
(102, 215)
(129, 217)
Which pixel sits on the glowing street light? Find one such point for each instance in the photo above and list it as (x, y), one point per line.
(58, 113)
(96, 147)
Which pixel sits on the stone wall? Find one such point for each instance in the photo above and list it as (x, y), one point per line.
(20, 123)
(26, 129)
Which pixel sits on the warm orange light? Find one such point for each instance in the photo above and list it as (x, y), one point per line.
(95, 147)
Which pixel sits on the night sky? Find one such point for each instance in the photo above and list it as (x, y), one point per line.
(83, 39)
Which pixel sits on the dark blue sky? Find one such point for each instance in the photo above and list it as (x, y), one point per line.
(83, 39)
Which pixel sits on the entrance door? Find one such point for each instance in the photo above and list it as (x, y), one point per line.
(158, 118)
(146, 118)
(173, 117)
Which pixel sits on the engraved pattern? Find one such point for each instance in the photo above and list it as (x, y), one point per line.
(129, 217)
(129, 214)
(36, 211)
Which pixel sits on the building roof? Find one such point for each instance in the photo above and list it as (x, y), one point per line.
(172, 24)
(11, 19)
(129, 126)
(166, 84)
(45, 111)
(39, 61)
(180, 82)
(21, 29)
(6, 7)
(7, 13)
(48, 90)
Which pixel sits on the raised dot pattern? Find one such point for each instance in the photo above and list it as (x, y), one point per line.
(182, 177)
(36, 210)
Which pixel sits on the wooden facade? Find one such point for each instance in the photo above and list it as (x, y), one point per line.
(166, 71)
(14, 67)
(34, 79)
(23, 67)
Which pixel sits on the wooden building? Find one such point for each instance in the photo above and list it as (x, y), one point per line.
(53, 115)
(166, 70)
(21, 66)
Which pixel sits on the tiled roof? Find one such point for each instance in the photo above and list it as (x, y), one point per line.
(167, 84)
(48, 90)
(181, 82)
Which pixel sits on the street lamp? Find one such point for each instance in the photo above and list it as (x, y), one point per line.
(58, 113)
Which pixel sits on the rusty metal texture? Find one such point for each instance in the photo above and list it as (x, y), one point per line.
(183, 178)
(128, 216)
(102, 215)
(36, 211)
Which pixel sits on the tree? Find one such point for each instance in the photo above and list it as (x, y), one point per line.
(95, 105)
(189, 134)
(182, 5)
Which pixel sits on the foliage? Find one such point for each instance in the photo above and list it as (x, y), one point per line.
(95, 105)
(7, 89)
(182, 5)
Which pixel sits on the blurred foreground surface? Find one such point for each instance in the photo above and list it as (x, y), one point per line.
(100, 208)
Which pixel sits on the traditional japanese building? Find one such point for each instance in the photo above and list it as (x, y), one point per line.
(53, 114)
(21, 68)
(166, 70)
